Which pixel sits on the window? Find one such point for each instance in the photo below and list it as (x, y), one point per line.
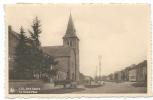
(69, 43)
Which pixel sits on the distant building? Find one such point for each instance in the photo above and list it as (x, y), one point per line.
(88, 79)
(142, 71)
(117, 76)
(126, 74)
(138, 72)
(132, 74)
(111, 77)
(104, 78)
(135, 73)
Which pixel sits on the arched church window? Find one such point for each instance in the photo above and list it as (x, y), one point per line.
(69, 43)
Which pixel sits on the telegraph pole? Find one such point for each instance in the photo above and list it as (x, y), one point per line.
(96, 73)
(100, 57)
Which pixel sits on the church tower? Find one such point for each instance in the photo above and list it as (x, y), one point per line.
(70, 39)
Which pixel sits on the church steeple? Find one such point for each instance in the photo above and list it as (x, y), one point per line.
(70, 32)
(70, 38)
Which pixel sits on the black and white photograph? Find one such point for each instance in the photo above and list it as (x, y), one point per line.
(78, 49)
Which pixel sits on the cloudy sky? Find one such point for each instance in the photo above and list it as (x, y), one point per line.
(119, 33)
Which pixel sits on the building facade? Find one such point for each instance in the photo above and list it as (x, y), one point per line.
(133, 73)
(66, 55)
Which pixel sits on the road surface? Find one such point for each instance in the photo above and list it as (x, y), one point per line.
(113, 87)
(108, 87)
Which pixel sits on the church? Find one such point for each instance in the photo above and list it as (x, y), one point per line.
(67, 55)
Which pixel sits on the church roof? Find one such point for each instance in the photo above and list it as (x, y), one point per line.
(57, 51)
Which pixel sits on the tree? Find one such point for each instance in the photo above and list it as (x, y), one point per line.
(48, 67)
(36, 30)
(31, 62)
(21, 56)
(36, 52)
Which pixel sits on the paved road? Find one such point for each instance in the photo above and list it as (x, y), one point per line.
(108, 87)
(112, 87)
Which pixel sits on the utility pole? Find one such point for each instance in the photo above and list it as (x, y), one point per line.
(96, 76)
(100, 57)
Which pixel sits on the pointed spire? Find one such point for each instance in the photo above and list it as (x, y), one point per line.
(70, 27)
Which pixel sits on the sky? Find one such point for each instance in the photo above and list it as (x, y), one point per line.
(120, 34)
